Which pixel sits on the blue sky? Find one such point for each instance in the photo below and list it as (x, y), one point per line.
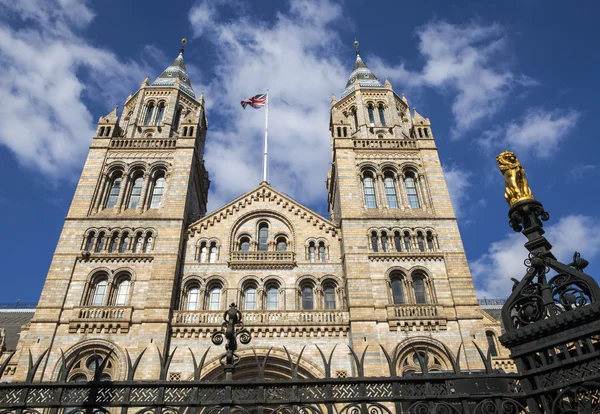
(490, 75)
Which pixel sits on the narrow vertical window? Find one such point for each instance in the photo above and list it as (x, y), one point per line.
(370, 109)
(381, 114)
(430, 244)
(250, 298)
(149, 113)
(272, 298)
(419, 286)
(101, 132)
(113, 195)
(426, 132)
(420, 133)
(369, 190)
(397, 242)
(339, 131)
(281, 244)
(193, 295)
(390, 192)
(99, 293)
(101, 242)
(420, 241)
(89, 246)
(374, 245)
(191, 131)
(244, 244)
(411, 190)
(157, 192)
(263, 237)
(136, 192)
(384, 242)
(148, 243)
(213, 253)
(161, 113)
(176, 119)
(124, 243)
(184, 133)
(139, 243)
(311, 252)
(122, 292)
(355, 116)
(491, 340)
(214, 302)
(307, 297)
(329, 297)
(107, 131)
(397, 291)
(114, 243)
(345, 132)
(321, 252)
(407, 241)
(203, 252)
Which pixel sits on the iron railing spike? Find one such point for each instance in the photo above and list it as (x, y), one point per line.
(359, 363)
(265, 359)
(100, 368)
(458, 355)
(391, 367)
(450, 356)
(133, 368)
(5, 363)
(486, 363)
(295, 373)
(325, 364)
(33, 367)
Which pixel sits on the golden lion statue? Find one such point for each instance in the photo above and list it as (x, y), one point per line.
(517, 188)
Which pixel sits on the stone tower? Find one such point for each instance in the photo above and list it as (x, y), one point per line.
(114, 271)
(406, 272)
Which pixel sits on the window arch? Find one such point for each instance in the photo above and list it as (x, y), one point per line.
(281, 244)
(374, 242)
(122, 290)
(397, 241)
(381, 110)
(329, 301)
(249, 296)
(158, 189)
(411, 189)
(272, 296)
(491, 340)
(136, 192)
(263, 236)
(420, 241)
(420, 133)
(345, 130)
(101, 132)
(115, 189)
(307, 295)
(191, 134)
(149, 113)
(212, 255)
(355, 117)
(369, 190)
(124, 243)
(84, 368)
(138, 243)
(311, 252)
(214, 297)
(114, 243)
(203, 252)
(384, 241)
(397, 284)
(89, 245)
(420, 289)
(414, 355)
(370, 110)
(390, 190)
(322, 252)
(407, 246)
(426, 131)
(176, 118)
(160, 113)
(148, 243)
(430, 241)
(98, 290)
(101, 242)
(192, 296)
(184, 132)
(245, 243)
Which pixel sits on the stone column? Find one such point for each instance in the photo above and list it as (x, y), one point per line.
(120, 200)
(100, 194)
(403, 195)
(422, 191)
(380, 191)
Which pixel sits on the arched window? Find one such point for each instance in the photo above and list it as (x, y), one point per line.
(250, 298)
(281, 244)
(157, 192)
(420, 241)
(161, 113)
(355, 117)
(114, 243)
(407, 241)
(397, 284)
(148, 243)
(369, 190)
(397, 241)
(192, 302)
(122, 292)
(191, 131)
(107, 131)
(101, 242)
(491, 340)
(419, 287)
(384, 242)
(329, 296)
(426, 131)
(149, 113)
(307, 297)
(212, 258)
(381, 114)
(124, 243)
(176, 119)
(136, 192)
(203, 252)
(321, 251)
(420, 133)
(89, 246)
(374, 245)
(390, 191)
(139, 243)
(263, 237)
(184, 133)
(345, 132)
(272, 298)
(214, 298)
(370, 109)
(244, 244)
(430, 244)
(101, 132)
(99, 292)
(115, 189)
(311, 252)
(339, 131)
(411, 190)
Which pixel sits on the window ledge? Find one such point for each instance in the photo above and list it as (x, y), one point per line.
(262, 260)
(101, 319)
(392, 256)
(128, 257)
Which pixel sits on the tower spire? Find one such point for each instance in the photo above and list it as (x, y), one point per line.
(176, 72)
(362, 74)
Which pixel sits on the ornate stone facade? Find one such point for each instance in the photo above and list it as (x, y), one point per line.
(140, 265)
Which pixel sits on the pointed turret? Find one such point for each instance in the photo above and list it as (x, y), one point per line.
(361, 75)
(176, 72)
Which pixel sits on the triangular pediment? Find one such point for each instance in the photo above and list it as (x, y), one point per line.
(270, 199)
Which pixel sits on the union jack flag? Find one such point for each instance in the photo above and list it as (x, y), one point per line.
(257, 101)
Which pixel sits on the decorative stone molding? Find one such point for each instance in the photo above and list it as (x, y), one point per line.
(114, 257)
(262, 260)
(405, 256)
(130, 143)
(378, 143)
(318, 318)
(101, 319)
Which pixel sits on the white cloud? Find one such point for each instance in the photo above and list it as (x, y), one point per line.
(504, 259)
(458, 184)
(466, 61)
(45, 121)
(579, 171)
(293, 57)
(539, 132)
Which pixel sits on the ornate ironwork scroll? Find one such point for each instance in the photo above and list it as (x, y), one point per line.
(231, 329)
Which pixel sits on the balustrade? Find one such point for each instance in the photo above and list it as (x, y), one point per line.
(413, 311)
(130, 143)
(263, 317)
(376, 143)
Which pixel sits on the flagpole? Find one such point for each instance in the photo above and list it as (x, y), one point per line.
(266, 134)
